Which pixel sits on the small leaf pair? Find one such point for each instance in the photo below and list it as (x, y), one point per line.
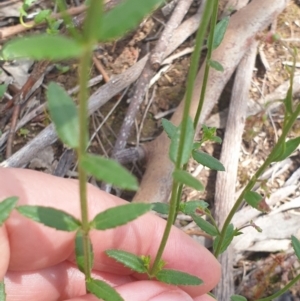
(63, 221)
(137, 264)
(174, 133)
(64, 114)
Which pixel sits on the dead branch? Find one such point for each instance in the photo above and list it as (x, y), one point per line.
(243, 27)
(97, 99)
(148, 72)
(23, 156)
(225, 184)
(13, 30)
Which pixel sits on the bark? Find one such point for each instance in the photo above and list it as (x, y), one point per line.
(226, 180)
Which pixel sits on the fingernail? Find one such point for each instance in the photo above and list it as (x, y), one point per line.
(172, 296)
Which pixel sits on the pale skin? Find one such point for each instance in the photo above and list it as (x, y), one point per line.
(38, 262)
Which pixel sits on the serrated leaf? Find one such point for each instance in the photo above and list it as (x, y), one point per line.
(216, 65)
(227, 239)
(129, 260)
(290, 147)
(185, 178)
(3, 89)
(64, 115)
(237, 298)
(6, 207)
(128, 15)
(169, 127)
(102, 290)
(219, 33)
(296, 246)
(2, 291)
(120, 215)
(110, 171)
(207, 160)
(50, 217)
(162, 208)
(190, 207)
(177, 277)
(50, 47)
(205, 225)
(79, 251)
(253, 198)
(188, 143)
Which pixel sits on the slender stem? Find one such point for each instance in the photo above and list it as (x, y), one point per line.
(83, 138)
(282, 291)
(256, 176)
(192, 75)
(187, 104)
(208, 57)
(171, 218)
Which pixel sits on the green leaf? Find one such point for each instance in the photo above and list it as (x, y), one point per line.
(190, 207)
(93, 21)
(79, 251)
(185, 178)
(216, 139)
(125, 17)
(120, 215)
(50, 217)
(2, 291)
(177, 278)
(290, 147)
(216, 65)
(129, 260)
(64, 115)
(230, 233)
(296, 246)
(205, 225)
(237, 298)
(162, 208)
(110, 171)
(219, 33)
(253, 198)
(102, 290)
(207, 160)
(188, 143)
(169, 128)
(288, 101)
(6, 207)
(42, 16)
(50, 47)
(3, 89)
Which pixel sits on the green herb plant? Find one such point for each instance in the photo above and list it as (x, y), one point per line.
(71, 124)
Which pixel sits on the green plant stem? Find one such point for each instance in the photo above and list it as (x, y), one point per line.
(83, 138)
(187, 104)
(192, 75)
(256, 176)
(171, 217)
(282, 291)
(208, 57)
(68, 20)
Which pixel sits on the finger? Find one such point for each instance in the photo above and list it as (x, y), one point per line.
(141, 237)
(65, 282)
(60, 282)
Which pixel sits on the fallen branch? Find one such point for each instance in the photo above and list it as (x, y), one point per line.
(48, 136)
(226, 180)
(142, 85)
(242, 30)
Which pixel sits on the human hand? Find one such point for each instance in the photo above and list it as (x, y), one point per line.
(38, 262)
